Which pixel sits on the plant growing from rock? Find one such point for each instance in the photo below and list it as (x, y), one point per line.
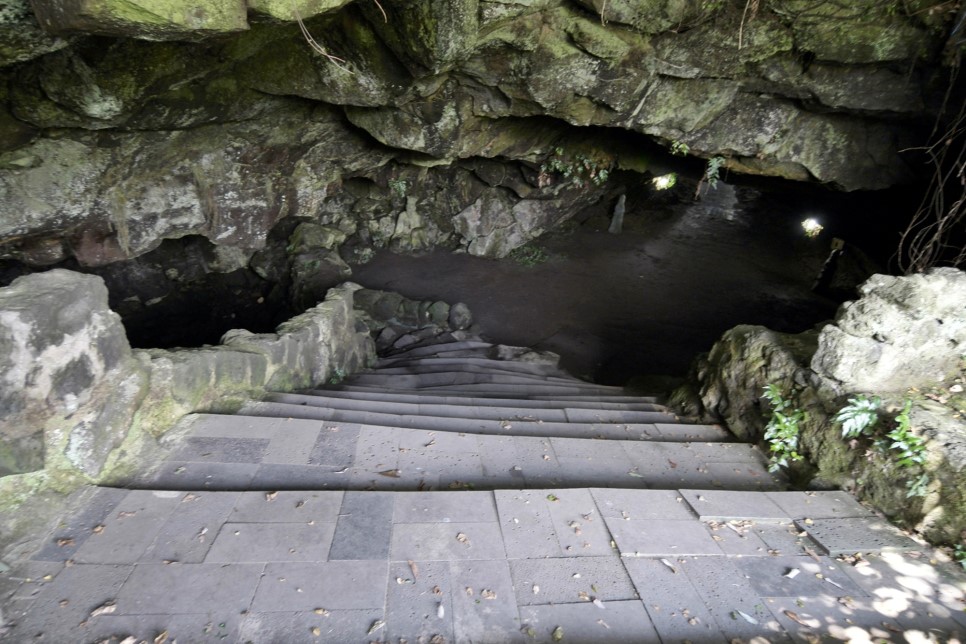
(859, 416)
(579, 168)
(783, 429)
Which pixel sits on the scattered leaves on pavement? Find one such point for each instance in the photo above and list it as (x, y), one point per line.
(376, 625)
(557, 634)
(104, 609)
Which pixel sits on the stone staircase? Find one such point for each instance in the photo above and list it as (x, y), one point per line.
(467, 492)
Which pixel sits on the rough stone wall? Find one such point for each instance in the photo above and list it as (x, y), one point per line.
(128, 123)
(905, 338)
(78, 404)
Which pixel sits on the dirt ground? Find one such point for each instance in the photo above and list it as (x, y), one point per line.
(645, 301)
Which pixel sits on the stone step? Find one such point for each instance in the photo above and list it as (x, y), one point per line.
(505, 365)
(436, 348)
(431, 399)
(493, 390)
(487, 412)
(505, 392)
(498, 368)
(461, 378)
(662, 426)
(210, 451)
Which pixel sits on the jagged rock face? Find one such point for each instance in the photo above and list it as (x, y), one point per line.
(145, 127)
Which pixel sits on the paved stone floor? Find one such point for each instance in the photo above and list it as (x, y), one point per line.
(450, 522)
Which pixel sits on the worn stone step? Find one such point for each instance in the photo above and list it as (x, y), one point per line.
(502, 391)
(495, 367)
(440, 347)
(507, 365)
(485, 412)
(461, 378)
(661, 426)
(431, 399)
(212, 452)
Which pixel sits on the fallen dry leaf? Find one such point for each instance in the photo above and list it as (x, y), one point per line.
(316, 631)
(187, 498)
(161, 637)
(125, 515)
(390, 473)
(98, 529)
(376, 625)
(553, 498)
(469, 591)
(104, 609)
(462, 538)
(414, 568)
(672, 463)
(582, 595)
(792, 615)
(669, 565)
(486, 593)
(437, 591)
(270, 496)
(603, 623)
(557, 634)
(598, 603)
(321, 611)
(63, 543)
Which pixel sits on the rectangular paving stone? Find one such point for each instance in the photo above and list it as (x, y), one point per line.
(298, 627)
(724, 505)
(674, 606)
(738, 538)
(287, 507)
(618, 621)
(437, 441)
(819, 505)
(329, 585)
(293, 444)
(526, 523)
(767, 576)
(224, 426)
(848, 536)
(413, 606)
(580, 529)
(581, 448)
(442, 541)
(490, 613)
(580, 472)
(444, 507)
(221, 450)
(824, 617)
(277, 476)
(364, 527)
(180, 538)
(158, 589)
(445, 467)
(785, 539)
(334, 445)
(742, 477)
(619, 503)
(132, 526)
(375, 451)
(726, 591)
(264, 542)
(561, 581)
(65, 603)
(662, 538)
(90, 507)
(185, 475)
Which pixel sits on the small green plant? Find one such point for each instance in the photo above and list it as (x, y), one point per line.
(859, 416)
(338, 375)
(579, 168)
(712, 173)
(783, 429)
(399, 187)
(679, 148)
(959, 555)
(528, 255)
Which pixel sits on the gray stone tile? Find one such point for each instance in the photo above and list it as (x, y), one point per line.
(580, 529)
(526, 524)
(579, 472)
(819, 505)
(90, 508)
(724, 505)
(221, 450)
(784, 539)
(847, 536)
(726, 591)
(738, 538)
(674, 606)
(329, 585)
(726, 453)
(159, 589)
(299, 627)
(223, 426)
(742, 477)
(660, 538)
(561, 581)
(767, 576)
(490, 613)
(444, 507)
(642, 504)
(442, 541)
(619, 621)
(125, 535)
(414, 605)
(214, 626)
(188, 532)
(287, 507)
(445, 467)
(910, 579)
(293, 443)
(375, 450)
(588, 449)
(364, 527)
(61, 612)
(437, 442)
(275, 476)
(335, 445)
(184, 475)
(264, 542)
(821, 618)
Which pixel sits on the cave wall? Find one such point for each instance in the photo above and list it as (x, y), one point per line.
(130, 123)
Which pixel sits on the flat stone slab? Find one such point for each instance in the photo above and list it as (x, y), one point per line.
(849, 536)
